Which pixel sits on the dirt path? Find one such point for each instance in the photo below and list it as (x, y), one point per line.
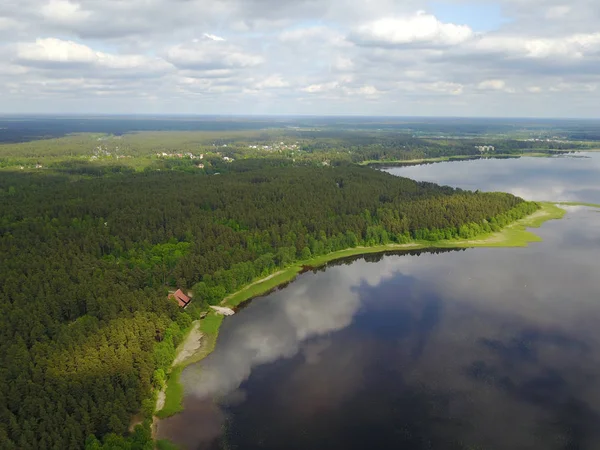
(251, 284)
(160, 400)
(192, 343)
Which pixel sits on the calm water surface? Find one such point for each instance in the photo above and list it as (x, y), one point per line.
(565, 178)
(473, 349)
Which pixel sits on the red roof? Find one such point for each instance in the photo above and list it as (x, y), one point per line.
(181, 298)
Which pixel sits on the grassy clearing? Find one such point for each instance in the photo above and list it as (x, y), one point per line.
(514, 235)
(174, 394)
(165, 444)
(210, 329)
(262, 286)
(265, 285)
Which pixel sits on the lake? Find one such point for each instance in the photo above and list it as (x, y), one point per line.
(463, 349)
(562, 178)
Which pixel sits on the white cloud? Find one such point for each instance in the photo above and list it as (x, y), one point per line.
(343, 64)
(574, 87)
(443, 87)
(305, 56)
(323, 87)
(64, 11)
(56, 52)
(368, 91)
(213, 37)
(272, 82)
(494, 85)
(420, 28)
(575, 46)
(210, 54)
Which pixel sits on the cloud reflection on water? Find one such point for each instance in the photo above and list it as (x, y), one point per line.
(552, 179)
(311, 306)
(502, 341)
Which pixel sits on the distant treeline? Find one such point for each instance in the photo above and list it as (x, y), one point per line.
(28, 128)
(86, 329)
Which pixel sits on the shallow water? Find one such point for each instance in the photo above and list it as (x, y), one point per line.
(467, 349)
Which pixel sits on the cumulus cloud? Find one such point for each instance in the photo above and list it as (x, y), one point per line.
(211, 54)
(56, 53)
(421, 28)
(64, 11)
(575, 46)
(324, 87)
(272, 82)
(494, 85)
(332, 56)
(213, 37)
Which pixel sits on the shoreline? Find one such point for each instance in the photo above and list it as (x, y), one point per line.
(410, 162)
(587, 205)
(513, 235)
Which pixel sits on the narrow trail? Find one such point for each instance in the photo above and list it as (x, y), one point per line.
(262, 280)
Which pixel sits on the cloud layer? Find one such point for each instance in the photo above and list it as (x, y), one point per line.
(267, 57)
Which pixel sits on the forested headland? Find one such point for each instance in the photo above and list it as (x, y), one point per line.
(88, 333)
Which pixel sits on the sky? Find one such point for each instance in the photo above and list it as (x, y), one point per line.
(505, 58)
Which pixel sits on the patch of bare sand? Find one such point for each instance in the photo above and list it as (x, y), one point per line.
(223, 311)
(191, 344)
(160, 400)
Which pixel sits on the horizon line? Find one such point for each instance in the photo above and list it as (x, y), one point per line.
(282, 115)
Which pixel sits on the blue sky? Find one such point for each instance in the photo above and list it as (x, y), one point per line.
(479, 16)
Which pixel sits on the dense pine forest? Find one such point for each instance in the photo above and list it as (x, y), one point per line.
(87, 331)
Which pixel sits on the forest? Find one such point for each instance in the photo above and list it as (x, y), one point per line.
(87, 330)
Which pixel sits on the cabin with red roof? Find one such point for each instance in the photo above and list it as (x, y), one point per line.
(181, 298)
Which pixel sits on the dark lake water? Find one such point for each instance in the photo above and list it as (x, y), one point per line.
(470, 349)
